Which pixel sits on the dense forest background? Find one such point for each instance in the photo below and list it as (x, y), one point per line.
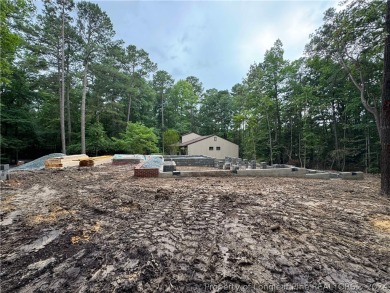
(67, 85)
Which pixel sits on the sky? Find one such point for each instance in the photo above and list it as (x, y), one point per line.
(216, 41)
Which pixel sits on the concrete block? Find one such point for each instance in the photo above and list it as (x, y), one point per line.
(4, 167)
(253, 164)
(192, 160)
(274, 172)
(169, 166)
(352, 175)
(4, 175)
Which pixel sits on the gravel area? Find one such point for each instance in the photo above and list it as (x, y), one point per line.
(37, 164)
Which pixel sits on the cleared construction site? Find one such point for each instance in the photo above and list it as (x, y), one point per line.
(135, 223)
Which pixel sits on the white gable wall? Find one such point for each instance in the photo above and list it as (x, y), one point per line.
(227, 148)
(189, 136)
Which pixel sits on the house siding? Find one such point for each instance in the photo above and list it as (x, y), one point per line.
(228, 149)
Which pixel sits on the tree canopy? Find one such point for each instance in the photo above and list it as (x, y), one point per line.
(320, 111)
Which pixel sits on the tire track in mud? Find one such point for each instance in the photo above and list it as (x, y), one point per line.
(183, 228)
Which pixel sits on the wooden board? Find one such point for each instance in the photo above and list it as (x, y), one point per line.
(86, 163)
(102, 160)
(66, 161)
(94, 161)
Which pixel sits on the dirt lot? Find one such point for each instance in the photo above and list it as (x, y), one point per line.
(102, 230)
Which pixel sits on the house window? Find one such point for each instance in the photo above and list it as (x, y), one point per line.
(211, 148)
(215, 138)
(218, 148)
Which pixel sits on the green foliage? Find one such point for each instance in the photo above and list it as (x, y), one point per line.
(17, 116)
(138, 139)
(97, 139)
(216, 113)
(171, 140)
(13, 14)
(180, 109)
(316, 111)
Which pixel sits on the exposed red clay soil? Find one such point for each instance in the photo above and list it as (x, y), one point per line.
(102, 230)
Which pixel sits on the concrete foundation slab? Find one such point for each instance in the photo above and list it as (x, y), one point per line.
(210, 173)
(274, 172)
(124, 159)
(352, 175)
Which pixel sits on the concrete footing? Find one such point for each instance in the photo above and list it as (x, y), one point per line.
(4, 168)
(274, 172)
(211, 173)
(351, 175)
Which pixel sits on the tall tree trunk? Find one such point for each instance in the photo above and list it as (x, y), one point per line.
(344, 141)
(278, 135)
(270, 140)
(131, 86)
(291, 140)
(62, 98)
(368, 151)
(68, 83)
(336, 140)
(162, 122)
(253, 144)
(83, 100)
(385, 114)
(129, 109)
(68, 114)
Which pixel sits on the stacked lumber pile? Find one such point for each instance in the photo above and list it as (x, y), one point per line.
(65, 161)
(94, 161)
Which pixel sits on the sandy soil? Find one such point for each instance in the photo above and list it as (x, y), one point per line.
(102, 230)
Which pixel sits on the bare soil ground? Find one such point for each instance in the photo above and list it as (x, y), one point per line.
(102, 230)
